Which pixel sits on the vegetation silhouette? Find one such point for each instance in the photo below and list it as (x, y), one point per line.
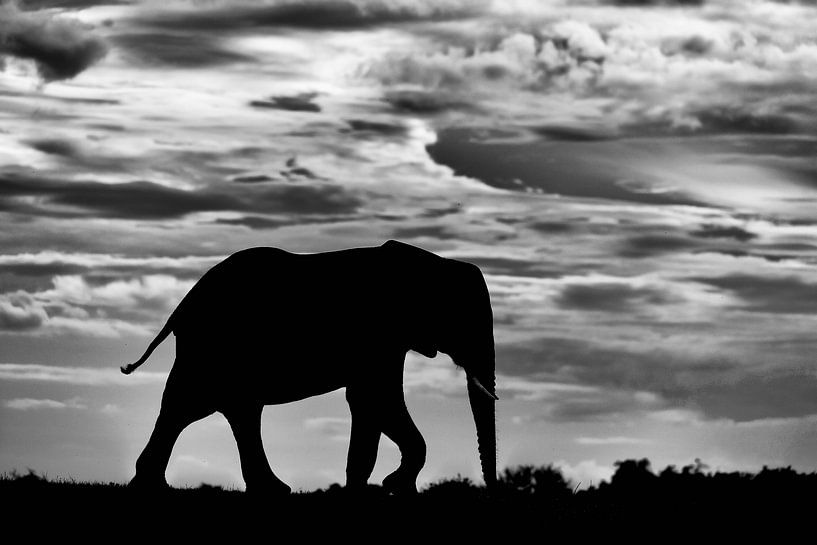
(266, 326)
(529, 500)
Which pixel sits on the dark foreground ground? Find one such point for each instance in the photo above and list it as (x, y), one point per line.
(534, 503)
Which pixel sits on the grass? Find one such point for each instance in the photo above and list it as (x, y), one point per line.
(535, 500)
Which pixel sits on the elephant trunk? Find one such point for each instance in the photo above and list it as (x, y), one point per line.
(482, 397)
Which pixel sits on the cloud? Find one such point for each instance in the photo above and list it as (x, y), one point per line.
(565, 55)
(149, 201)
(60, 47)
(772, 396)
(586, 473)
(27, 404)
(302, 102)
(363, 128)
(316, 15)
(149, 291)
(32, 5)
(595, 73)
(178, 50)
(611, 297)
(771, 294)
(562, 168)
(18, 314)
(93, 305)
(422, 102)
(651, 245)
(653, 3)
(721, 231)
(95, 261)
(78, 376)
(337, 428)
(439, 232)
(616, 440)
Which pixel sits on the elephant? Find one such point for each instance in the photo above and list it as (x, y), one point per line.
(266, 326)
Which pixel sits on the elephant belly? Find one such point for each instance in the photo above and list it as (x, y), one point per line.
(260, 372)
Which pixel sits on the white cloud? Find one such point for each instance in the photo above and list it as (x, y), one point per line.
(26, 404)
(337, 428)
(92, 260)
(616, 440)
(156, 289)
(110, 409)
(586, 473)
(92, 376)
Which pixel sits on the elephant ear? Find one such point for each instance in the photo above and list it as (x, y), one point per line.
(416, 272)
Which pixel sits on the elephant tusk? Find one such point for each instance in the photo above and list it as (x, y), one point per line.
(482, 388)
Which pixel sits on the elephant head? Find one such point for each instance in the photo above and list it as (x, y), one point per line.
(449, 310)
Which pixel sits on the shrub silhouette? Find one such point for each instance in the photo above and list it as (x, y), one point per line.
(531, 498)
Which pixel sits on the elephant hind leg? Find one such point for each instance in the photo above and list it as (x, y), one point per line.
(177, 412)
(245, 421)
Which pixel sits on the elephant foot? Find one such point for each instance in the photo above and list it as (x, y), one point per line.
(400, 483)
(140, 483)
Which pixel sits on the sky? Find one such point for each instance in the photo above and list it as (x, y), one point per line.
(636, 179)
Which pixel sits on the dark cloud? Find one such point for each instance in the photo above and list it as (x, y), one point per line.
(56, 146)
(611, 297)
(307, 14)
(41, 269)
(17, 313)
(253, 179)
(368, 129)
(655, 244)
(253, 222)
(627, 381)
(573, 133)
(180, 50)
(295, 172)
(649, 3)
(549, 167)
(719, 231)
(302, 102)
(754, 398)
(424, 102)
(777, 295)
(264, 222)
(149, 201)
(60, 47)
(552, 227)
(691, 46)
(440, 212)
(32, 5)
(739, 121)
(42, 96)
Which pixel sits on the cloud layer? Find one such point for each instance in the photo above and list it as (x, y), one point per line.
(61, 47)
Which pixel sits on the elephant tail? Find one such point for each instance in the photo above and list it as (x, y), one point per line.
(166, 330)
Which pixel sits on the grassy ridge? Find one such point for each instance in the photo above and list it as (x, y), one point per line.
(529, 499)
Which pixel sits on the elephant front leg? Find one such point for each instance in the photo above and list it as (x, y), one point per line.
(245, 421)
(377, 409)
(364, 440)
(400, 428)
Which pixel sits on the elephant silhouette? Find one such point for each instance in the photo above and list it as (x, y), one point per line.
(266, 326)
